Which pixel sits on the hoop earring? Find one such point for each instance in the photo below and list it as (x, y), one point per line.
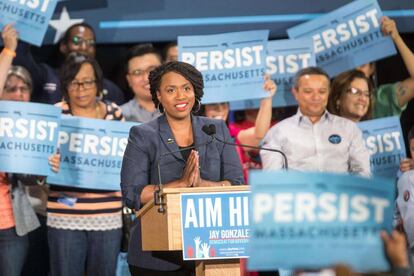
(160, 108)
(198, 107)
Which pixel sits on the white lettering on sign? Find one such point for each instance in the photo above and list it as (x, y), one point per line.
(207, 214)
(238, 211)
(34, 4)
(287, 64)
(387, 142)
(227, 59)
(345, 31)
(326, 207)
(27, 129)
(93, 144)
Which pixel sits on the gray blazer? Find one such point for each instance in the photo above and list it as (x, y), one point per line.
(24, 215)
(146, 143)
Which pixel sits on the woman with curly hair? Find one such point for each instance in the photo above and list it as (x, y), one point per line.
(176, 89)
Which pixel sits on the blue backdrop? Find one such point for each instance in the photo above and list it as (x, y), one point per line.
(161, 20)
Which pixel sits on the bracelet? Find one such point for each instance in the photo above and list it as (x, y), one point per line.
(9, 52)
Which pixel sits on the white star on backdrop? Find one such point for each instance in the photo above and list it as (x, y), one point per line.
(63, 23)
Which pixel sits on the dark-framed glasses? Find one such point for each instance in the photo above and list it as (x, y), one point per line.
(13, 89)
(358, 92)
(86, 84)
(79, 41)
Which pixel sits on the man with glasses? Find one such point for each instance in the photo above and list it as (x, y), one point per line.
(79, 38)
(141, 60)
(314, 139)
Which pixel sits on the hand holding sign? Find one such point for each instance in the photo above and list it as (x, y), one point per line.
(270, 86)
(406, 164)
(284, 59)
(10, 36)
(396, 248)
(54, 162)
(389, 27)
(347, 37)
(31, 18)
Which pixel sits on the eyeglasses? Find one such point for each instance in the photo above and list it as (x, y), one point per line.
(78, 41)
(87, 84)
(358, 92)
(14, 89)
(140, 73)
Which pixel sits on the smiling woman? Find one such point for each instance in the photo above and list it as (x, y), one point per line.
(351, 96)
(176, 89)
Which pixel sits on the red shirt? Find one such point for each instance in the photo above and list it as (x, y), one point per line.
(6, 207)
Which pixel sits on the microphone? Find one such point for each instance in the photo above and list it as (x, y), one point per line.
(158, 200)
(211, 130)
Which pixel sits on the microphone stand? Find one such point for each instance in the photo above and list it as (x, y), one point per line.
(285, 162)
(211, 131)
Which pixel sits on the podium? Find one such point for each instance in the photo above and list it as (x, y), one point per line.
(162, 231)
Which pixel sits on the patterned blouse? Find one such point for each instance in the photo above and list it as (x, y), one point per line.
(85, 209)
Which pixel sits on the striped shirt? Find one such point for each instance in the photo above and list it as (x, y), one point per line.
(85, 209)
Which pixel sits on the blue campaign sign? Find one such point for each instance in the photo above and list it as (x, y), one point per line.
(284, 59)
(91, 153)
(316, 220)
(31, 18)
(347, 37)
(232, 64)
(384, 139)
(215, 225)
(28, 136)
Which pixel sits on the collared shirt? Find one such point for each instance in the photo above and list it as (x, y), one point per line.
(333, 144)
(133, 111)
(405, 204)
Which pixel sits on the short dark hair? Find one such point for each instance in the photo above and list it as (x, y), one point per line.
(167, 48)
(66, 37)
(341, 84)
(308, 71)
(139, 51)
(71, 68)
(186, 70)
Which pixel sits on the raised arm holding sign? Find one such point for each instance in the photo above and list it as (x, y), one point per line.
(284, 59)
(9, 36)
(392, 99)
(347, 37)
(31, 18)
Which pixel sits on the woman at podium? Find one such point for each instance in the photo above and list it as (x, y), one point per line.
(183, 145)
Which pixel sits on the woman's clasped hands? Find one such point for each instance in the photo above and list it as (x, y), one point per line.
(191, 174)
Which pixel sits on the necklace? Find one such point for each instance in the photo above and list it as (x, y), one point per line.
(98, 111)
